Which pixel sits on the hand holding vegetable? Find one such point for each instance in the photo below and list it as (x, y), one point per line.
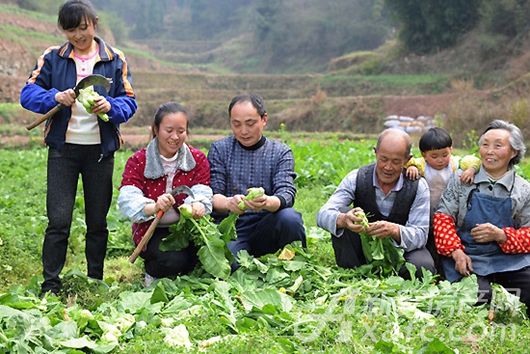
(384, 229)
(257, 200)
(254, 194)
(377, 247)
(354, 220)
(94, 103)
(194, 210)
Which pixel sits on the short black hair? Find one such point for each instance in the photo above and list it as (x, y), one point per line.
(72, 12)
(256, 100)
(434, 139)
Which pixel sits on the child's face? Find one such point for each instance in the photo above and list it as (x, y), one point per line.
(439, 158)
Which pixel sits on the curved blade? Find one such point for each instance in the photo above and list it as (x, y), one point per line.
(93, 80)
(182, 189)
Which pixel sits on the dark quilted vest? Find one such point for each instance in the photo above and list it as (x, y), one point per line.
(365, 197)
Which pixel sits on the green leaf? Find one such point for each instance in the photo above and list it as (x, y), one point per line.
(277, 277)
(260, 298)
(386, 347)
(174, 242)
(159, 294)
(436, 347)
(177, 304)
(132, 302)
(227, 227)
(78, 343)
(212, 257)
(17, 302)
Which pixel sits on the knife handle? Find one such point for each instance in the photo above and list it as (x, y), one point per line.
(45, 117)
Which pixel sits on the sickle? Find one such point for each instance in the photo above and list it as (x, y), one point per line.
(90, 80)
(149, 233)
(182, 190)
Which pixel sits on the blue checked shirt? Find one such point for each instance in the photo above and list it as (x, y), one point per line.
(270, 164)
(413, 233)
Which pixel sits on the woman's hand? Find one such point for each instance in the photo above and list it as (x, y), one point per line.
(66, 98)
(487, 232)
(101, 105)
(164, 202)
(462, 262)
(197, 210)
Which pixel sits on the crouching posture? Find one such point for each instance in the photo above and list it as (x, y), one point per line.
(149, 177)
(396, 207)
(248, 159)
(484, 228)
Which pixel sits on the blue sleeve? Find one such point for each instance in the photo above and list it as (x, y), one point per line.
(283, 179)
(123, 102)
(122, 108)
(37, 99)
(38, 95)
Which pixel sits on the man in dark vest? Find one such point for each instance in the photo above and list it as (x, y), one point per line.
(396, 207)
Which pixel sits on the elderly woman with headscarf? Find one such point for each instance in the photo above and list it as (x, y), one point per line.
(484, 228)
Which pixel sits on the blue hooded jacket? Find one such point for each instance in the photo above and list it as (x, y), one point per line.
(56, 71)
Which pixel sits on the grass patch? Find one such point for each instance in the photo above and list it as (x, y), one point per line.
(385, 84)
(15, 10)
(8, 111)
(20, 35)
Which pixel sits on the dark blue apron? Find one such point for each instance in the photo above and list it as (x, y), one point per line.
(487, 258)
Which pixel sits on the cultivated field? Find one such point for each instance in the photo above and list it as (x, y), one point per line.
(271, 305)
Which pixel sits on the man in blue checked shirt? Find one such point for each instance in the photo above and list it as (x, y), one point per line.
(396, 207)
(248, 159)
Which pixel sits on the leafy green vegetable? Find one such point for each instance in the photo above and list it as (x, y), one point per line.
(252, 193)
(86, 97)
(380, 252)
(185, 210)
(211, 239)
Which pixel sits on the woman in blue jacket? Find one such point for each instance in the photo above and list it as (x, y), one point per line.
(79, 142)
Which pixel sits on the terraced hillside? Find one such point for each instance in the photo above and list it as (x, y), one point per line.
(335, 101)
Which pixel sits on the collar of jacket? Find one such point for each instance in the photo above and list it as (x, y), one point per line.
(153, 163)
(105, 53)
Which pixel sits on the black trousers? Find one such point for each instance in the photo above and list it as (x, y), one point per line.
(161, 264)
(64, 168)
(264, 233)
(349, 254)
(516, 282)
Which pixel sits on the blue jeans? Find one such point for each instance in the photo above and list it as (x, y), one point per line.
(64, 168)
